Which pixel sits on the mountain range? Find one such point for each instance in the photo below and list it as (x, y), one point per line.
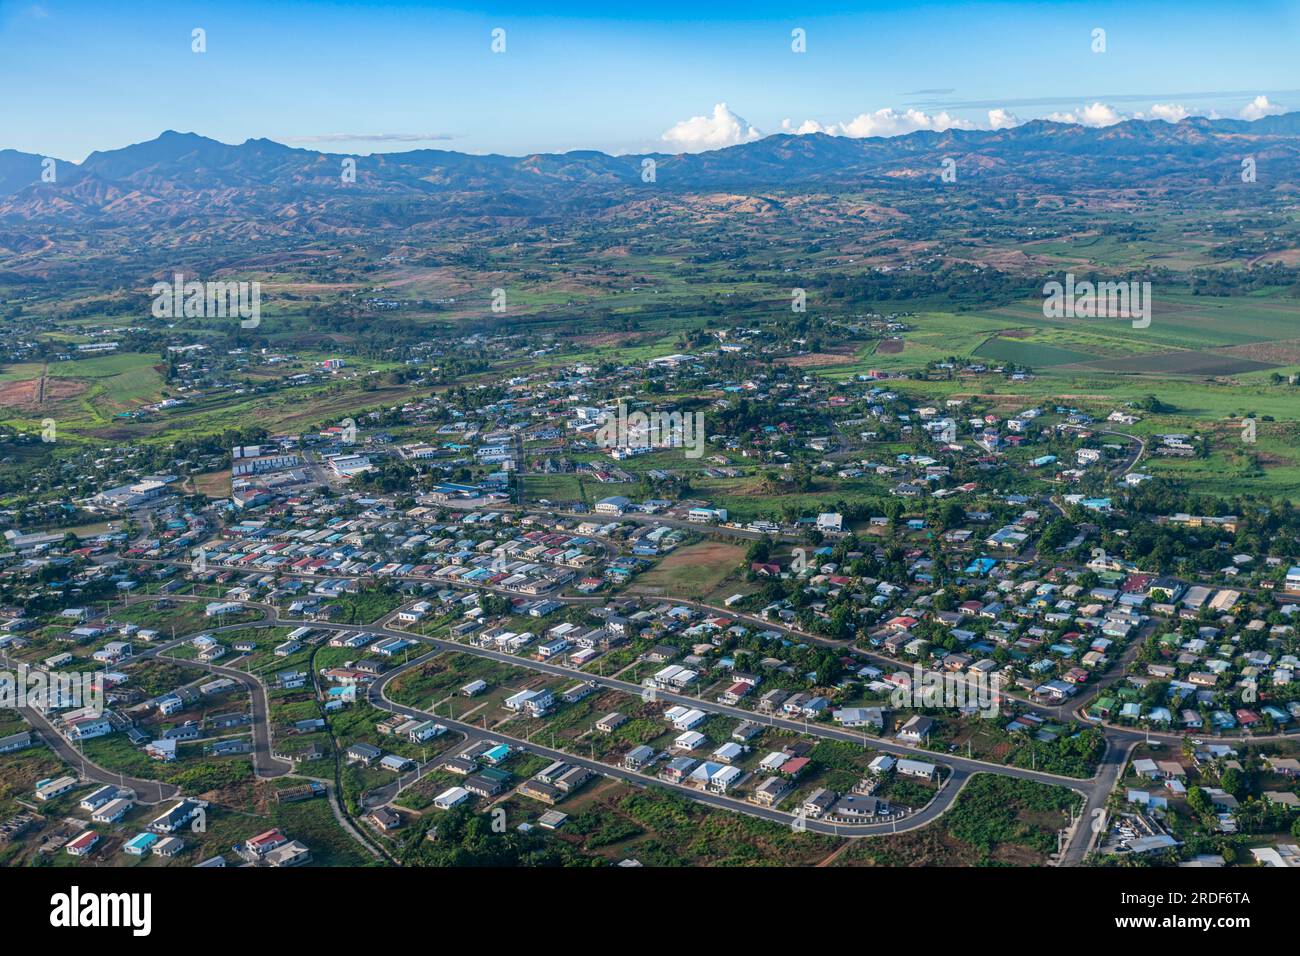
(184, 181)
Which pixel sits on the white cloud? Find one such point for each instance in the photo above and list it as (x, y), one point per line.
(1096, 114)
(807, 126)
(883, 122)
(1003, 119)
(1260, 107)
(723, 128)
(1169, 112)
(887, 122)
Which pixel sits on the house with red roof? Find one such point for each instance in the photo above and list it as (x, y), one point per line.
(83, 844)
(793, 767)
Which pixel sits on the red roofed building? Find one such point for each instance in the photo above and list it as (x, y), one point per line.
(794, 766)
(1137, 583)
(82, 844)
(735, 692)
(264, 843)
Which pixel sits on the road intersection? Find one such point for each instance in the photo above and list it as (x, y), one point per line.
(1095, 791)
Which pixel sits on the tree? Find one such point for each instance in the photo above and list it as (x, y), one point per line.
(1199, 801)
(1233, 781)
(951, 515)
(1057, 533)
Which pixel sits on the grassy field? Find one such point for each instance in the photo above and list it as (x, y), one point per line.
(615, 821)
(364, 607)
(695, 571)
(1194, 335)
(995, 821)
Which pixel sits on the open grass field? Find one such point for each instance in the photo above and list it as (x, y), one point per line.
(214, 484)
(1188, 335)
(614, 821)
(90, 400)
(693, 571)
(995, 821)
(1028, 352)
(80, 395)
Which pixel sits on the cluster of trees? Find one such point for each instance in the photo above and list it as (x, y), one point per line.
(1071, 755)
(988, 813)
(1232, 282)
(387, 476)
(55, 590)
(1264, 527)
(462, 837)
(958, 283)
(1253, 814)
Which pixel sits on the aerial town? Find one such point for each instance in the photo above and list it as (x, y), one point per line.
(385, 630)
(894, 467)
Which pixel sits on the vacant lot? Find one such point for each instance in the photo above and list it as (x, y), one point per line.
(35, 393)
(663, 828)
(995, 821)
(693, 571)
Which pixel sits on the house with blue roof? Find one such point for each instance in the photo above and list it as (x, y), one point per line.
(140, 845)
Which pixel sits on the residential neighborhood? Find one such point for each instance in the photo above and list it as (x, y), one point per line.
(694, 441)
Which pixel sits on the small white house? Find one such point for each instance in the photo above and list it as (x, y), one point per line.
(450, 798)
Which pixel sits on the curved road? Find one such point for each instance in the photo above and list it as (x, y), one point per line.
(378, 697)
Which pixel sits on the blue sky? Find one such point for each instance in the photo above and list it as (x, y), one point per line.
(365, 77)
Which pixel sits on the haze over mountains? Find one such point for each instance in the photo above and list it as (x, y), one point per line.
(183, 180)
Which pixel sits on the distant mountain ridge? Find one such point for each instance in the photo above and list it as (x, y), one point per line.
(184, 179)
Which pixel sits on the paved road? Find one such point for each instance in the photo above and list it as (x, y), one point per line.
(961, 767)
(378, 697)
(1119, 470)
(1129, 462)
(146, 791)
(153, 791)
(265, 766)
(1089, 828)
(1096, 790)
(797, 726)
